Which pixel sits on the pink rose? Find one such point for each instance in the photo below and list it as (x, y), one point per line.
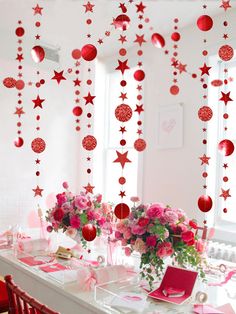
(155, 211)
(106, 208)
(140, 246)
(166, 234)
(188, 237)
(58, 214)
(65, 185)
(151, 240)
(75, 222)
(123, 242)
(99, 198)
(164, 249)
(127, 234)
(170, 216)
(118, 235)
(120, 227)
(128, 251)
(178, 229)
(102, 221)
(61, 199)
(81, 202)
(136, 229)
(142, 222)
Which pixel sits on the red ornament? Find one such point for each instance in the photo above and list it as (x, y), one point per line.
(76, 54)
(89, 52)
(122, 180)
(89, 142)
(140, 145)
(9, 82)
(139, 75)
(205, 203)
(19, 84)
(123, 113)
(122, 22)
(205, 113)
(122, 211)
(226, 147)
(38, 145)
(77, 111)
(175, 36)
(204, 23)
(226, 53)
(37, 54)
(20, 31)
(157, 40)
(174, 89)
(19, 142)
(89, 232)
(216, 83)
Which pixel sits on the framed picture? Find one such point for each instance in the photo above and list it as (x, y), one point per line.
(170, 126)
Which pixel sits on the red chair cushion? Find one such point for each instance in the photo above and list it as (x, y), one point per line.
(3, 296)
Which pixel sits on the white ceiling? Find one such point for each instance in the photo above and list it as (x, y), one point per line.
(63, 21)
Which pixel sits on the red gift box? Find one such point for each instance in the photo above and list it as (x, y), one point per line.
(176, 286)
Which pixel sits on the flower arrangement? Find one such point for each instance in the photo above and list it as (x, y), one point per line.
(80, 216)
(156, 232)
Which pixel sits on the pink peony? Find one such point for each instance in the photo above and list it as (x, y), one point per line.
(155, 211)
(151, 240)
(65, 185)
(142, 222)
(170, 216)
(61, 199)
(136, 229)
(128, 251)
(120, 227)
(81, 202)
(164, 249)
(75, 222)
(140, 246)
(58, 214)
(188, 237)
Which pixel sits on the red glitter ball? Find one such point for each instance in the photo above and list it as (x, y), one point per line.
(194, 75)
(123, 83)
(9, 82)
(139, 97)
(139, 122)
(226, 82)
(38, 145)
(122, 180)
(19, 132)
(122, 52)
(204, 23)
(174, 89)
(140, 145)
(89, 52)
(76, 54)
(19, 102)
(20, 31)
(225, 179)
(175, 36)
(140, 26)
(42, 81)
(20, 67)
(205, 113)
(123, 113)
(226, 53)
(77, 92)
(89, 142)
(77, 111)
(139, 75)
(19, 48)
(37, 84)
(123, 142)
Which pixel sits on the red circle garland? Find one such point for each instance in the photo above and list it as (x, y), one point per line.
(123, 113)
(226, 52)
(89, 52)
(205, 113)
(38, 145)
(89, 142)
(140, 144)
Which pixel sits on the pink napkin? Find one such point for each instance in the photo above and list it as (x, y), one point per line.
(52, 268)
(31, 261)
(205, 309)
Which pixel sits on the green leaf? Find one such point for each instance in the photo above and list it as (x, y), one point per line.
(83, 218)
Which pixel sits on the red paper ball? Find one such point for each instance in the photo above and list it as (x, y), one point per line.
(77, 111)
(123, 113)
(89, 232)
(20, 84)
(216, 83)
(20, 31)
(122, 211)
(122, 180)
(140, 145)
(204, 23)
(38, 145)
(89, 142)
(226, 147)
(37, 54)
(226, 53)
(76, 54)
(139, 75)
(9, 82)
(89, 52)
(157, 40)
(174, 89)
(175, 36)
(122, 22)
(19, 142)
(205, 203)
(205, 113)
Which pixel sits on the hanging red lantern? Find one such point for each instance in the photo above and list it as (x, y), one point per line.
(89, 232)
(205, 203)
(122, 211)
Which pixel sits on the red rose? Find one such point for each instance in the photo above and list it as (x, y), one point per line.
(142, 222)
(193, 224)
(188, 237)
(58, 214)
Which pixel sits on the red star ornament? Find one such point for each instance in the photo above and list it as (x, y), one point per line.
(89, 188)
(122, 66)
(122, 129)
(122, 158)
(122, 194)
(181, 67)
(77, 82)
(205, 69)
(139, 109)
(88, 7)
(19, 57)
(37, 10)
(140, 7)
(140, 40)
(225, 97)
(89, 99)
(123, 96)
(204, 159)
(225, 194)
(38, 102)
(58, 76)
(225, 4)
(37, 191)
(19, 111)
(122, 39)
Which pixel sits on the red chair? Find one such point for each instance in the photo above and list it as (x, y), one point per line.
(4, 306)
(22, 303)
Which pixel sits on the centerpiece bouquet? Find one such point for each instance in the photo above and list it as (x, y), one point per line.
(156, 232)
(80, 216)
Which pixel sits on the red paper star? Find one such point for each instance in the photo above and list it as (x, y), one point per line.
(225, 166)
(122, 158)
(88, 7)
(175, 63)
(37, 10)
(100, 41)
(38, 102)
(89, 99)
(123, 96)
(19, 111)
(204, 159)
(122, 129)
(19, 57)
(37, 191)
(89, 188)
(140, 7)
(225, 36)
(58, 76)
(139, 87)
(77, 82)
(122, 66)
(139, 109)
(225, 98)
(139, 132)
(205, 69)
(225, 4)
(225, 194)
(37, 161)
(181, 67)
(122, 194)
(37, 37)
(122, 39)
(140, 40)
